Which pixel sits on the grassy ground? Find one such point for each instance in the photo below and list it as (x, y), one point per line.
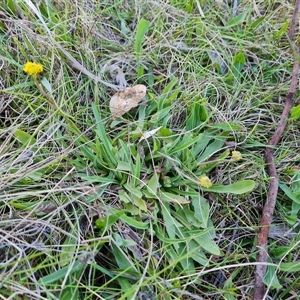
(97, 207)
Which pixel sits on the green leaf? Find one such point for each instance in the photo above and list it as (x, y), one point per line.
(123, 260)
(282, 30)
(238, 64)
(201, 208)
(237, 20)
(230, 126)
(172, 198)
(206, 242)
(107, 221)
(239, 187)
(153, 185)
(201, 144)
(169, 221)
(106, 143)
(198, 115)
(186, 142)
(24, 137)
(124, 197)
(139, 202)
(161, 116)
(61, 273)
(295, 112)
(142, 29)
(213, 164)
(124, 166)
(134, 223)
(164, 98)
(164, 132)
(213, 147)
(136, 170)
(290, 267)
(271, 279)
(256, 23)
(46, 84)
(288, 192)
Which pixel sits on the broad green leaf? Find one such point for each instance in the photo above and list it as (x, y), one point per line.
(290, 267)
(162, 116)
(201, 208)
(96, 266)
(164, 132)
(199, 114)
(123, 260)
(70, 290)
(295, 112)
(94, 178)
(142, 29)
(212, 148)
(70, 247)
(271, 279)
(168, 220)
(126, 287)
(23, 205)
(153, 185)
(239, 187)
(124, 152)
(139, 202)
(124, 197)
(24, 137)
(288, 192)
(181, 217)
(133, 191)
(201, 144)
(118, 239)
(123, 166)
(206, 242)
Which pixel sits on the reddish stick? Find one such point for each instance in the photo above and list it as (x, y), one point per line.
(268, 210)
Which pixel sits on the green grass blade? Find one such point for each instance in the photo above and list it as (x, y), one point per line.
(142, 29)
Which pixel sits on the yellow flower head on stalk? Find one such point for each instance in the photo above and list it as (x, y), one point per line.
(32, 68)
(205, 181)
(236, 155)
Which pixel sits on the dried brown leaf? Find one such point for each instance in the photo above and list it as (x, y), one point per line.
(123, 101)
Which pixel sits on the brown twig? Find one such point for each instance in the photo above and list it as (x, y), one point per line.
(268, 210)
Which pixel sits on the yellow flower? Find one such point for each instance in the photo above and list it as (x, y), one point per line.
(205, 181)
(32, 68)
(236, 155)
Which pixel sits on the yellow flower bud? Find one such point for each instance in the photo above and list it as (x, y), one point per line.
(205, 181)
(236, 155)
